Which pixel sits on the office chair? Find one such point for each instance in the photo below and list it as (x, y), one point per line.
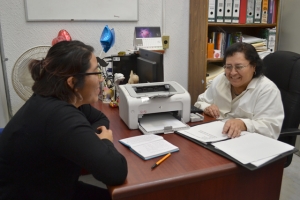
(283, 68)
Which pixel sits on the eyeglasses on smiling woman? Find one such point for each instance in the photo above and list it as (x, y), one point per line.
(236, 67)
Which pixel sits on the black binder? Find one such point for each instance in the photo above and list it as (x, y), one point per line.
(248, 166)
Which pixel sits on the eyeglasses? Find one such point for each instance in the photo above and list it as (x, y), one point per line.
(99, 73)
(236, 67)
(90, 73)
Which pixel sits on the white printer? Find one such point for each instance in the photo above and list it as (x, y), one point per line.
(138, 100)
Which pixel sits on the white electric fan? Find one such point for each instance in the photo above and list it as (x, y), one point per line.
(21, 77)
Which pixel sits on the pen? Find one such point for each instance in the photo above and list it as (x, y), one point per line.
(161, 160)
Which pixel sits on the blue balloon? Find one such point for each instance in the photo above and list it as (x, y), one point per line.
(107, 39)
(113, 36)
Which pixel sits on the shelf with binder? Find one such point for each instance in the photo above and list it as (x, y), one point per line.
(241, 25)
(199, 30)
(262, 38)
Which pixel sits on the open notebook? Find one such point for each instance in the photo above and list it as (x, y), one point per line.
(149, 146)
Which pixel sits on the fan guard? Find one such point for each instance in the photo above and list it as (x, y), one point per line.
(21, 76)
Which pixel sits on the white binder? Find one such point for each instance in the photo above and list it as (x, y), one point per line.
(228, 11)
(250, 12)
(211, 11)
(271, 39)
(257, 11)
(236, 11)
(220, 10)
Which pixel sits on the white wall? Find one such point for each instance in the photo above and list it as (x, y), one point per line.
(3, 102)
(4, 116)
(289, 26)
(171, 15)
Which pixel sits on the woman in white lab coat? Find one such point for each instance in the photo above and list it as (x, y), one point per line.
(243, 95)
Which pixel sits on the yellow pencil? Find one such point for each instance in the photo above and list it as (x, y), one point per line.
(161, 160)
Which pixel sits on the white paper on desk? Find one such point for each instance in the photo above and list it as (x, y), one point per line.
(262, 161)
(149, 146)
(209, 132)
(154, 149)
(157, 122)
(252, 147)
(140, 140)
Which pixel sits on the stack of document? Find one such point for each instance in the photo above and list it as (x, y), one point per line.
(251, 39)
(259, 44)
(249, 148)
(206, 133)
(213, 71)
(253, 148)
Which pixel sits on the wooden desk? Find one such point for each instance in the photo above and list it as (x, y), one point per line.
(192, 173)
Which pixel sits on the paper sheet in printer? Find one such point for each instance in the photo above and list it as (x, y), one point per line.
(160, 123)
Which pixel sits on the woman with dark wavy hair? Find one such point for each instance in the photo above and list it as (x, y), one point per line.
(243, 96)
(56, 132)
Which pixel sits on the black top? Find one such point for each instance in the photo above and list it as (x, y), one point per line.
(45, 145)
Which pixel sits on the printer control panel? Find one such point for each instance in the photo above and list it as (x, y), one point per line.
(152, 88)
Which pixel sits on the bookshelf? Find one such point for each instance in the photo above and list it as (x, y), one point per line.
(199, 29)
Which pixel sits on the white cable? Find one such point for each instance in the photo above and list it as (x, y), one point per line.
(100, 53)
(163, 16)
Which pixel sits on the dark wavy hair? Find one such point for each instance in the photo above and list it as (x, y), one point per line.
(250, 54)
(63, 60)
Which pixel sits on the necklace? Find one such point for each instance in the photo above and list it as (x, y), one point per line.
(235, 94)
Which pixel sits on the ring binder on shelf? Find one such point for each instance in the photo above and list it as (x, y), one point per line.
(257, 11)
(212, 11)
(220, 11)
(236, 11)
(228, 11)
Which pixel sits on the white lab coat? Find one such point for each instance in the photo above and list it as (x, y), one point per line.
(259, 106)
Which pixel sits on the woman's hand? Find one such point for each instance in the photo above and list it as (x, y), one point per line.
(105, 133)
(212, 111)
(234, 127)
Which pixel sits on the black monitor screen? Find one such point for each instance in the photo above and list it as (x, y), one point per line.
(154, 57)
(146, 70)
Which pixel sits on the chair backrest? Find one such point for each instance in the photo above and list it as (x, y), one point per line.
(283, 68)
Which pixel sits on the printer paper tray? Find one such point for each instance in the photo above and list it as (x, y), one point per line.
(161, 123)
(163, 131)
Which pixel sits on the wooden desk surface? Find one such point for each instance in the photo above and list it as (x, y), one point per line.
(191, 173)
